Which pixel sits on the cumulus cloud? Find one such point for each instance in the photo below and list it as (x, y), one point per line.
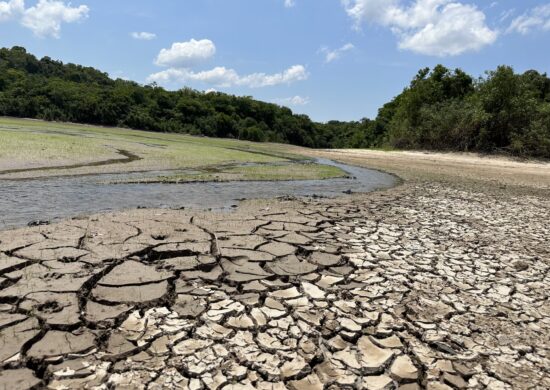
(186, 54)
(537, 18)
(431, 27)
(369, 10)
(143, 36)
(11, 9)
(293, 101)
(46, 17)
(333, 55)
(224, 77)
(181, 58)
(289, 3)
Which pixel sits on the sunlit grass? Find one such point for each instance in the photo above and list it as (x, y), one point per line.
(49, 148)
(266, 172)
(31, 143)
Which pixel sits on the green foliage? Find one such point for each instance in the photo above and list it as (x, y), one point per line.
(441, 109)
(535, 140)
(51, 90)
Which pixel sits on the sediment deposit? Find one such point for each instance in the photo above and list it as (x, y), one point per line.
(420, 286)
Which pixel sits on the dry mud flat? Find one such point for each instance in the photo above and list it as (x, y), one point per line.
(420, 286)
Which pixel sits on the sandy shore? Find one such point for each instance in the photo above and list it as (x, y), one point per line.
(440, 283)
(451, 168)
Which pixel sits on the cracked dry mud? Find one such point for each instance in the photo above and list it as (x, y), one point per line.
(420, 286)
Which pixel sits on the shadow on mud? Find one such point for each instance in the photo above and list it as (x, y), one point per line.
(128, 157)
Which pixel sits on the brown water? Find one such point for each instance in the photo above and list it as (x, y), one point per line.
(56, 198)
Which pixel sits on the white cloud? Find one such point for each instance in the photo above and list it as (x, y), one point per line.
(431, 27)
(289, 3)
(333, 55)
(185, 54)
(507, 14)
(181, 58)
(223, 77)
(11, 9)
(536, 18)
(293, 101)
(369, 10)
(45, 18)
(143, 36)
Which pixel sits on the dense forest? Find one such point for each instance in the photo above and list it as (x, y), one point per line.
(50, 90)
(503, 112)
(441, 109)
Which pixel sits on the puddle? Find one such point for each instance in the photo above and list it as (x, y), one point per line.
(57, 198)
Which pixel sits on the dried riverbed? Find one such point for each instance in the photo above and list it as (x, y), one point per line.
(424, 285)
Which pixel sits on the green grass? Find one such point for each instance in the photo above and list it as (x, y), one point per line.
(48, 147)
(48, 143)
(264, 172)
(35, 144)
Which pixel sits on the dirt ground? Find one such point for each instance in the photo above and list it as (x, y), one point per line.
(439, 283)
(454, 168)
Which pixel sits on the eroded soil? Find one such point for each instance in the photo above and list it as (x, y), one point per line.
(420, 286)
(127, 157)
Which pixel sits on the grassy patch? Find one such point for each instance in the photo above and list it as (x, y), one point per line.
(48, 148)
(265, 172)
(31, 143)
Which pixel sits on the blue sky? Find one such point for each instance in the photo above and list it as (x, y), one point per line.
(330, 59)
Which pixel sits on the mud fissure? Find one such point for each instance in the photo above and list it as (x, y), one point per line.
(391, 290)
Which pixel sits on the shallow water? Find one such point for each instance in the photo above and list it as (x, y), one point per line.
(56, 198)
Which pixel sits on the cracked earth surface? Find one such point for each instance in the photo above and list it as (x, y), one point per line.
(423, 286)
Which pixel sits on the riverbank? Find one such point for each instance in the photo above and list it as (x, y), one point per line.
(437, 283)
(483, 171)
(33, 149)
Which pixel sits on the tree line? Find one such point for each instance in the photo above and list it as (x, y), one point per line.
(50, 90)
(441, 109)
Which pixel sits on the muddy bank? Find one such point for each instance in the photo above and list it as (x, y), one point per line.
(467, 169)
(420, 286)
(127, 157)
